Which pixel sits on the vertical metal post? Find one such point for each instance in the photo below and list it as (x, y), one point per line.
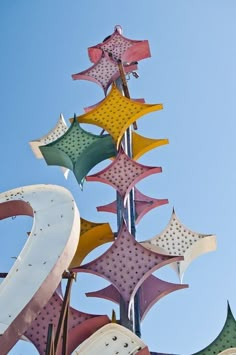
(63, 314)
(50, 340)
(65, 333)
(130, 216)
(124, 320)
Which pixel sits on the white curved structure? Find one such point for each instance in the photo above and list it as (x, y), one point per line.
(111, 339)
(231, 351)
(47, 253)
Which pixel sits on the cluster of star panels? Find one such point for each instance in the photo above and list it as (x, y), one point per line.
(74, 148)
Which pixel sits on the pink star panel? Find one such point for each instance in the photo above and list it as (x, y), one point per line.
(143, 204)
(151, 291)
(127, 264)
(104, 72)
(81, 325)
(120, 47)
(123, 173)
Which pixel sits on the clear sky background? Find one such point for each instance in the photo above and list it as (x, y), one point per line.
(192, 72)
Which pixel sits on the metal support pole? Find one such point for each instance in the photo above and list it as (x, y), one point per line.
(50, 340)
(130, 216)
(65, 333)
(64, 311)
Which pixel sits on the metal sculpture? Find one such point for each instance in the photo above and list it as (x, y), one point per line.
(53, 326)
(55, 231)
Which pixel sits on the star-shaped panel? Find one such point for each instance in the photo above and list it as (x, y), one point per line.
(116, 113)
(104, 72)
(127, 264)
(143, 204)
(120, 47)
(78, 150)
(123, 173)
(177, 239)
(60, 128)
(92, 235)
(225, 340)
(90, 108)
(142, 145)
(151, 291)
(80, 325)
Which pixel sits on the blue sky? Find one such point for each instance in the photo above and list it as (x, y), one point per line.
(192, 72)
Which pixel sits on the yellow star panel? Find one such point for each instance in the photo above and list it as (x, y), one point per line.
(116, 113)
(92, 236)
(142, 145)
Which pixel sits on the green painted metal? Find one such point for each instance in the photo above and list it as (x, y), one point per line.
(78, 150)
(225, 340)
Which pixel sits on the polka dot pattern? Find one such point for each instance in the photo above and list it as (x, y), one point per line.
(143, 205)
(126, 264)
(56, 133)
(86, 225)
(123, 173)
(118, 46)
(176, 239)
(79, 150)
(104, 72)
(225, 340)
(75, 141)
(113, 339)
(37, 332)
(97, 234)
(151, 291)
(116, 113)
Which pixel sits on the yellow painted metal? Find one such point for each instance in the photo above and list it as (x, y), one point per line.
(142, 145)
(113, 317)
(116, 113)
(92, 236)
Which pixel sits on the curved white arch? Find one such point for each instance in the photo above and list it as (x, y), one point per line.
(231, 351)
(111, 339)
(46, 254)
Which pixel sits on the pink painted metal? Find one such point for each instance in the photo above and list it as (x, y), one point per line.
(151, 291)
(143, 351)
(143, 204)
(123, 173)
(104, 72)
(80, 327)
(120, 47)
(109, 293)
(126, 264)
